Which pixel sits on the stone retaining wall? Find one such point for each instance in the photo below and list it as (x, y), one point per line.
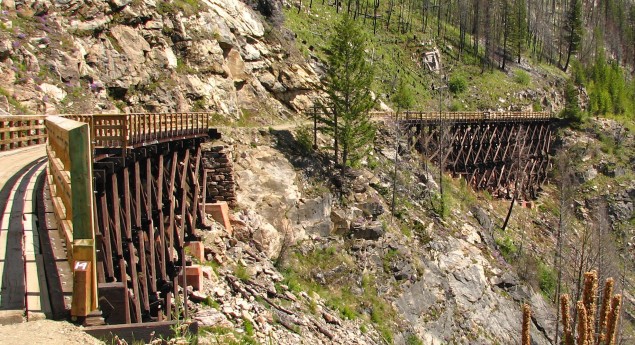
(217, 161)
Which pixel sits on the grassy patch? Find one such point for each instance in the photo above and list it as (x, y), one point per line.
(224, 335)
(14, 102)
(187, 7)
(241, 273)
(387, 260)
(507, 247)
(521, 77)
(368, 306)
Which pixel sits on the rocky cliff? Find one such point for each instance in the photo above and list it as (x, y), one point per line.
(69, 56)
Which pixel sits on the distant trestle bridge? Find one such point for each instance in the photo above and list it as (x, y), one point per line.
(504, 153)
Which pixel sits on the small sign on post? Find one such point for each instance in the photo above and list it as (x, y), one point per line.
(82, 288)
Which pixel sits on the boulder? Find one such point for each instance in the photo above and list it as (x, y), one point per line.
(313, 215)
(53, 91)
(99, 23)
(5, 49)
(207, 56)
(119, 3)
(268, 240)
(238, 17)
(236, 66)
(372, 209)
(212, 318)
(367, 230)
(341, 223)
(131, 42)
(482, 217)
(621, 207)
(587, 175)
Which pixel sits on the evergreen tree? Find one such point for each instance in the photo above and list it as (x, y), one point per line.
(574, 30)
(571, 110)
(518, 34)
(347, 84)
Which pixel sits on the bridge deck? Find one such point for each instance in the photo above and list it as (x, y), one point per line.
(413, 117)
(23, 286)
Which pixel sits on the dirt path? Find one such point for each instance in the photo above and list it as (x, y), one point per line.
(45, 332)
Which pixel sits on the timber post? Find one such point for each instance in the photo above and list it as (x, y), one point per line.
(69, 151)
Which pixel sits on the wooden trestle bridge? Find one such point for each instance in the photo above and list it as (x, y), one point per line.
(505, 153)
(127, 191)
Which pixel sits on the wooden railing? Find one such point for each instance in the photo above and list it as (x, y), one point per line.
(70, 182)
(127, 131)
(20, 131)
(430, 117)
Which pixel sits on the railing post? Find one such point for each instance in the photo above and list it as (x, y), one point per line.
(2, 136)
(126, 135)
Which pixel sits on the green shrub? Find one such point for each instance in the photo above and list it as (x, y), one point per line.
(456, 106)
(547, 279)
(412, 339)
(241, 273)
(304, 138)
(521, 77)
(457, 84)
(249, 327)
(507, 247)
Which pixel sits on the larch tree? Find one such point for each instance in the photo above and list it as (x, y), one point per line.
(348, 85)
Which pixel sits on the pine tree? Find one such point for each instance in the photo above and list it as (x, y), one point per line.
(571, 110)
(574, 30)
(518, 34)
(348, 80)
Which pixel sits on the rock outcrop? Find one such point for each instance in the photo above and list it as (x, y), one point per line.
(149, 56)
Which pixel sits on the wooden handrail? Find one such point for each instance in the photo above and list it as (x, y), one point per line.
(464, 116)
(127, 131)
(21, 130)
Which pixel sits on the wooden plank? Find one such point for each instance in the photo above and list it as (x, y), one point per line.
(183, 194)
(37, 295)
(137, 195)
(133, 333)
(151, 235)
(132, 260)
(112, 297)
(143, 274)
(119, 240)
(54, 264)
(105, 226)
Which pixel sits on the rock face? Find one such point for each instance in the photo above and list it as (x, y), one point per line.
(124, 55)
(456, 302)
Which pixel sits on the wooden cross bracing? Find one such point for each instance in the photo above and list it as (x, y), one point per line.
(501, 157)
